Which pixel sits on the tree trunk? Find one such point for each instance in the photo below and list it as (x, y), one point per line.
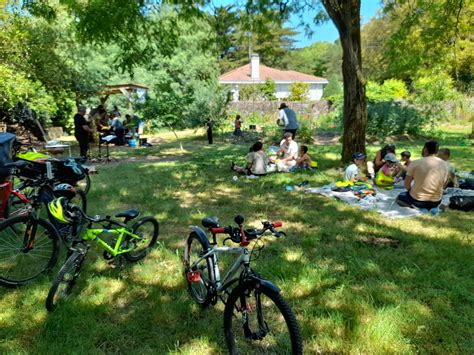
(346, 16)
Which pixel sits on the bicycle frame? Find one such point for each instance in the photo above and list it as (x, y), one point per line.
(242, 260)
(94, 233)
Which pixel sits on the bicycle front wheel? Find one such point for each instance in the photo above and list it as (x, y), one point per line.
(65, 280)
(28, 247)
(199, 273)
(147, 230)
(258, 320)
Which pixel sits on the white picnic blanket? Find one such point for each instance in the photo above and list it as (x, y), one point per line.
(384, 201)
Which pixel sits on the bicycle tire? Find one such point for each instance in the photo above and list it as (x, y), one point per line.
(18, 265)
(200, 290)
(282, 336)
(15, 205)
(141, 248)
(66, 278)
(80, 200)
(84, 184)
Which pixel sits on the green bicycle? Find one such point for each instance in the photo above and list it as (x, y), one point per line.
(131, 242)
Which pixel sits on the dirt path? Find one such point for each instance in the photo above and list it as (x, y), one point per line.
(326, 138)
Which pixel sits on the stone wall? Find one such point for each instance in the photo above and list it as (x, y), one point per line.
(308, 108)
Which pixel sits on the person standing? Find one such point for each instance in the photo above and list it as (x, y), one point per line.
(238, 128)
(82, 131)
(429, 176)
(209, 125)
(288, 117)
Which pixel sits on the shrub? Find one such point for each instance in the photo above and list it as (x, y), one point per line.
(391, 89)
(393, 117)
(299, 92)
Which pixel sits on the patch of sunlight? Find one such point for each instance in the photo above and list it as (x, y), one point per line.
(199, 345)
(295, 255)
(331, 156)
(382, 333)
(406, 273)
(102, 290)
(371, 267)
(305, 287)
(335, 299)
(162, 273)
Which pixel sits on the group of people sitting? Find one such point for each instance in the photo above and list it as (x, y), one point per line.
(424, 179)
(287, 157)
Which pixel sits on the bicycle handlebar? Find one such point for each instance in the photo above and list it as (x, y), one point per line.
(241, 236)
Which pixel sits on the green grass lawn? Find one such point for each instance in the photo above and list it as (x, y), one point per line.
(349, 297)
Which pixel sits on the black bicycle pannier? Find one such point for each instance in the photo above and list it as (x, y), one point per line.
(6, 140)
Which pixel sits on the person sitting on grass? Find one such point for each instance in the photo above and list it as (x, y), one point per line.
(389, 173)
(304, 161)
(405, 162)
(288, 152)
(257, 162)
(429, 176)
(445, 154)
(379, 157)
(351, 174)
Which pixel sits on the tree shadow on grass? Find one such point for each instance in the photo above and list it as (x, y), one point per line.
(348, 296)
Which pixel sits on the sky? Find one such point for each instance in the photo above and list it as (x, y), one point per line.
(326, 32)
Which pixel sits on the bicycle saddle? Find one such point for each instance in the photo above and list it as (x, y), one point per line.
(210, 222)
(128, 214)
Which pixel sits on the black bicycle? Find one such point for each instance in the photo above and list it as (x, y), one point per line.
(256, 317)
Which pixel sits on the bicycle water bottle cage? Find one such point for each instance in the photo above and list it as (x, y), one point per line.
(128, 214)
(210, 222)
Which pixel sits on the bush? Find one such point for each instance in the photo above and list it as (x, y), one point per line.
(393, 117)
(299, 92)
(258, 92)
(391, 89)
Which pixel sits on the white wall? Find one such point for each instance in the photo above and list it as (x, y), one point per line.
(315, 92)
(283, 91)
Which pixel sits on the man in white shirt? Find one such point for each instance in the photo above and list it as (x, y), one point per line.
(289, 152)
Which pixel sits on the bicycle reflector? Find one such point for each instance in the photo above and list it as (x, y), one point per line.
(58, 209)
(194, 276)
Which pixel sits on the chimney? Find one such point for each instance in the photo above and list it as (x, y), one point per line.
(255, 66)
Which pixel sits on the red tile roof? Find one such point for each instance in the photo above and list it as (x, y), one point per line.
(242, 74)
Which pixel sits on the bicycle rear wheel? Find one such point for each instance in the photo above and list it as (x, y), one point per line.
(258, 320)
(147, 229)
(199, 274)
(28, 247)
(65, 280)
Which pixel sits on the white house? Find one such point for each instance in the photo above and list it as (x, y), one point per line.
(256, 73)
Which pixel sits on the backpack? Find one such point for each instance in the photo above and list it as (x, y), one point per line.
(462, 203)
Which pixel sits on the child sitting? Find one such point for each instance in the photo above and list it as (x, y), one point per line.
(445, 154)
(351, 173)
(389, 173)
(257, 162)
(405, 162)
(304, 160)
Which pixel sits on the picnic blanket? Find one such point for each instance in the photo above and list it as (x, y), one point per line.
(384, 201)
